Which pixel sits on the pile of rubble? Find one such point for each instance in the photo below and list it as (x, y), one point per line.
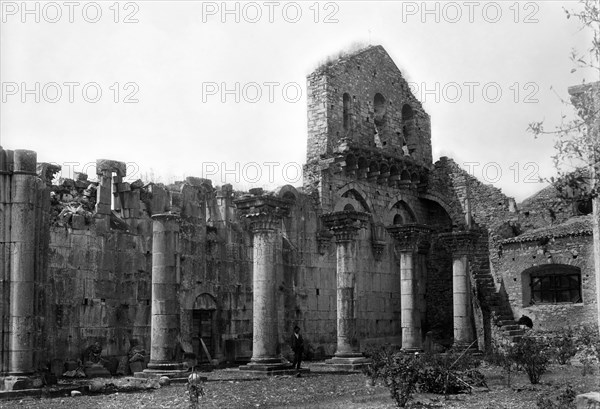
(73, 202)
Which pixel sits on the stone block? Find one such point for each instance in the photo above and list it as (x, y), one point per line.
(131, 200)
(78, 222)
(122, 187)
(588, 401)
(103, 208)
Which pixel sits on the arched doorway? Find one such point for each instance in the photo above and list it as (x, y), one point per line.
(204, 333)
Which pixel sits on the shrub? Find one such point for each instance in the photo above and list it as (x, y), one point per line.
(405, 374)
(531, 353)
(563, 345)
(566, 400)
(588, 348)
(380, 357)
(499, 355)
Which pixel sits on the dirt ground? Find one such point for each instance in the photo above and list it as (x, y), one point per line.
(322, 388)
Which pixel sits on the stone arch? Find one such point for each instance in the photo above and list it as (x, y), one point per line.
(354, 190)
(288, 192)
(205, 301)
(400, 210)
(343, 204)
(441, 202)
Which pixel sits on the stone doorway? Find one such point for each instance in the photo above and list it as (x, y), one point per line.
(202, 328)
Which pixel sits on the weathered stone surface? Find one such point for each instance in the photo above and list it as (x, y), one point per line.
(239, 270)
(588, 401)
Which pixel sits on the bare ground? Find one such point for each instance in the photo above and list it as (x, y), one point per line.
(321, 388)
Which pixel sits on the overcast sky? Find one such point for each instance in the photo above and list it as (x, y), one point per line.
(169, 74)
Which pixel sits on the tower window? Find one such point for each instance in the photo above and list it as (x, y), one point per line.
(346, 110)
(379, 109)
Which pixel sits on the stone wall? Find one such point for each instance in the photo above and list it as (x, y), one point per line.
(364, 101)
(517, 257)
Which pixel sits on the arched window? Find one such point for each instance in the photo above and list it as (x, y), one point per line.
(408, 123)
(397, 219)
(346, 110)
(552, 284)
(379, 109)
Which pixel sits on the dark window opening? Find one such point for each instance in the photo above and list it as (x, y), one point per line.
(397, 219)
(379, 109)
(346, 111)
(584, 207)
(555, 284)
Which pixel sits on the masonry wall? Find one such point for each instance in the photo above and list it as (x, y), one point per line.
(572, 251)
(363, 100)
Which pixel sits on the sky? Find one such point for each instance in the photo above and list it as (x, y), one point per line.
(218, 89)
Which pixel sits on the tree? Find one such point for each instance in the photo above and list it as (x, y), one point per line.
(577, 143)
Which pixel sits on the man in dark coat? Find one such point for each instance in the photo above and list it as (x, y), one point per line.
(297, 347)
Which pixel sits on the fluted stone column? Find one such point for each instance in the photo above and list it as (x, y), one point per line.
(22, 252)
(461, 245)
(345, 226)
(165, 306)
(410, 241)
(264, 215)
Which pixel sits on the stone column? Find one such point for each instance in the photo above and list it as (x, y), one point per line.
(22, 237)
(461, 245)
(264, 215)
(345, 226)
(165, 306)
(410, 240)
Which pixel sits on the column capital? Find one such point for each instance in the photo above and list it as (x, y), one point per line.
(345, 224)
(410, 237)
(263, 212)
(460, 243)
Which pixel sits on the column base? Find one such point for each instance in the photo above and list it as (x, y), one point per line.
(271, 367)
(172, 374)
(173, 370)
(411, 350)
(348, 361)
(19, 382)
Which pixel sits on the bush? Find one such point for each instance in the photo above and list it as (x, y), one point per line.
(588, 348)
(499, 355)
(405, 374)
(566, 400)
(563, 345)
(532, 353)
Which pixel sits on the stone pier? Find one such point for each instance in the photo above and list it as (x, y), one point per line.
(22, 261)
(461, 245)
(165, 306)
(411, 241)
(345, 226)
(264, 215)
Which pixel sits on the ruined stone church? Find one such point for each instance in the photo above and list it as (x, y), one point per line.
(379, 246)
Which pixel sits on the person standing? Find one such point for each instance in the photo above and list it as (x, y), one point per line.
(297, 347)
